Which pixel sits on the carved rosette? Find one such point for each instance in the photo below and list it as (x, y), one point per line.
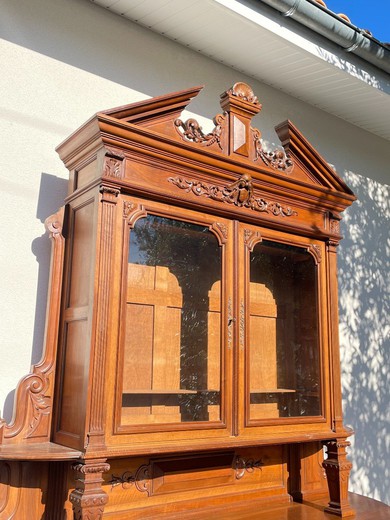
(239, 193)
(89, 499)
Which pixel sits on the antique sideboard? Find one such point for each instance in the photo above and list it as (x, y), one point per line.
(191, 354)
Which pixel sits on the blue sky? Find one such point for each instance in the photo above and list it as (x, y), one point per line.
(366, 14)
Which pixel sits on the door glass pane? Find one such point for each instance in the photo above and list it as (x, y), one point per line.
(284, 367)
(172, 352)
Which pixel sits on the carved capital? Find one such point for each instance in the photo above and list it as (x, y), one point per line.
(109, 194)
(89, 499)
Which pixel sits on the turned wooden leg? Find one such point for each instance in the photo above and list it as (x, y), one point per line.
(88, 498)
(338, 468)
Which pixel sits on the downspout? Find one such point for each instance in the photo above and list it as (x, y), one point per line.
(352, 39)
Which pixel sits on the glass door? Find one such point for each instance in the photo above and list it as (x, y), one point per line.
(280, 347)
(174, 338)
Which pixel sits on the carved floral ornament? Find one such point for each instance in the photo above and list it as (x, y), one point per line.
(240, 193)
(191, 130)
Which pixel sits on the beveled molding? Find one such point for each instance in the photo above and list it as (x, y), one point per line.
(34, 393)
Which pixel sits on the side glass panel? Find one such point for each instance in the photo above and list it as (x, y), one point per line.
(283, 364)
(172, 351)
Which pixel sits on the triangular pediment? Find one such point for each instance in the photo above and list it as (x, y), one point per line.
(233, 136)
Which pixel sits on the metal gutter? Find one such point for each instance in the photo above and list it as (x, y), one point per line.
(323, 21)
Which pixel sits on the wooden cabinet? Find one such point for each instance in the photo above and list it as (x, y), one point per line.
(192, 356)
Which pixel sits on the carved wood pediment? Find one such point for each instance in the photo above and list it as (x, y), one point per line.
(233, 135)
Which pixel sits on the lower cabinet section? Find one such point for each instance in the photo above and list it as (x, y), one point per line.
(162, 486)
(143, 488)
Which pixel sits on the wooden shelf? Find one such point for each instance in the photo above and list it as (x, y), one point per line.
(179, 391)
(274, 391)
(38, 451)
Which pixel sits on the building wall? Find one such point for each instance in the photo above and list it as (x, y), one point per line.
(63, 61)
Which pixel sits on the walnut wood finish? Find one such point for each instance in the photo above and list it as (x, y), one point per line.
(169, 400)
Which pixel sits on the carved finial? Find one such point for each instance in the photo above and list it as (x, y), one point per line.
(243, 91)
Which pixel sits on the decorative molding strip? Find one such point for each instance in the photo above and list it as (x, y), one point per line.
(239, 193)
(277, 159)
(242, 324)
(230, 322)
(243, 466)
(192, 131)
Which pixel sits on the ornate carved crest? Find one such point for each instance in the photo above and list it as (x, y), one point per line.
(233, 133)
(243, 91)
(239, 193)
(192, 131)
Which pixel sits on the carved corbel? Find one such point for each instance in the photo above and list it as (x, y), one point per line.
(338, 468)
(89, 499)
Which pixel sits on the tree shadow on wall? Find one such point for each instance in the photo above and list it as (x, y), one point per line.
(364, 283)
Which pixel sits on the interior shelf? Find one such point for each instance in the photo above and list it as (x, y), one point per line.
(178, 391)
(274, 391)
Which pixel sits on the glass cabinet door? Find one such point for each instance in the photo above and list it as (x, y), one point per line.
(172, 346)
(282, 356)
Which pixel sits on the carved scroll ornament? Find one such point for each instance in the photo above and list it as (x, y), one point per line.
(192, 131)
(276, 159)
(239, 193)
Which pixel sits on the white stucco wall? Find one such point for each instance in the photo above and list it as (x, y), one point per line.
(63, 61)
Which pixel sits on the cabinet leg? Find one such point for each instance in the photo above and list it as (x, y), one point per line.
(88, 498)
(338, 468)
